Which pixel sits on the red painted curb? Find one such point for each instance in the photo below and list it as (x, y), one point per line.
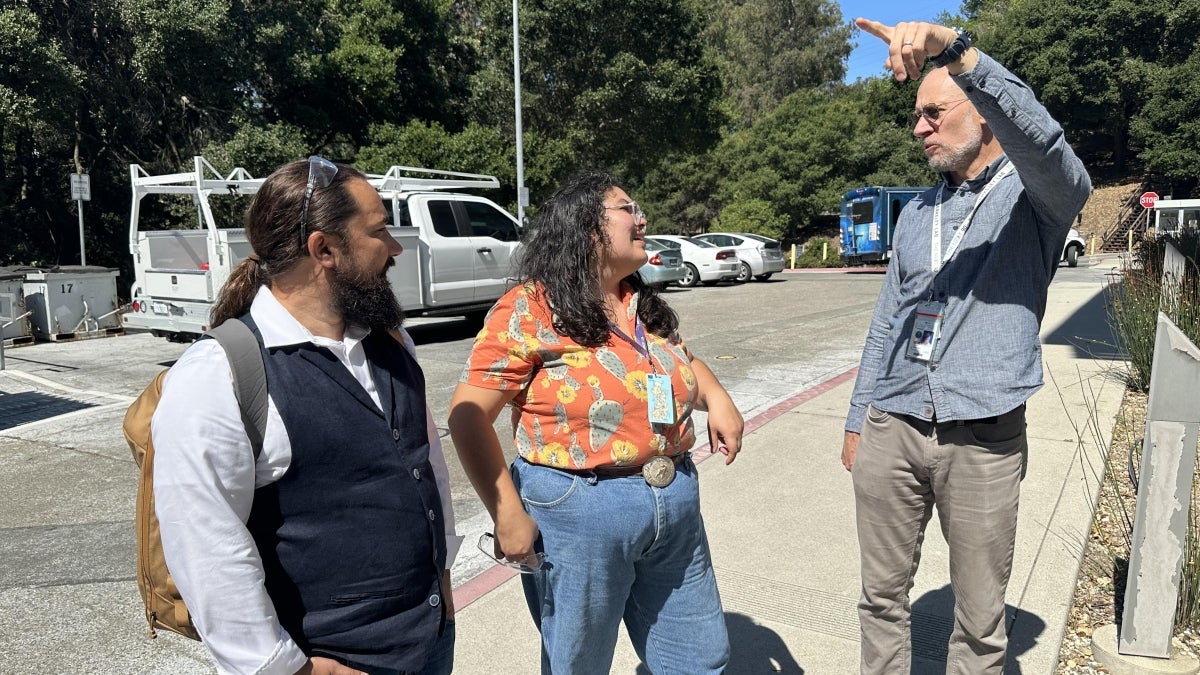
(487, 581)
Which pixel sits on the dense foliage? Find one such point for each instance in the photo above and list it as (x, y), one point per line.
(721, 114)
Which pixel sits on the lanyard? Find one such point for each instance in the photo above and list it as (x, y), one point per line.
(936, 259)
(639, 345)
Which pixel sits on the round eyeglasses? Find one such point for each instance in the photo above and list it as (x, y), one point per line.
(527, 565)
(932, 112)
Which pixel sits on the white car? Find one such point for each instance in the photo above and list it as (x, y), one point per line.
(703, 261)
(761, 256)
(1073, 248)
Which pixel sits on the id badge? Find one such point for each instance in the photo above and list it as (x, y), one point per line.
(927, 328)
(659, 399)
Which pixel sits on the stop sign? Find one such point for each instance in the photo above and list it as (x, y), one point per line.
(1148, 199)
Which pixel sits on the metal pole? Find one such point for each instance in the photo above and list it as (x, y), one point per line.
(82, 254)
(522, 200)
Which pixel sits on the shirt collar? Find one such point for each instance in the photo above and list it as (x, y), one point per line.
(279, 328)
(977, 182)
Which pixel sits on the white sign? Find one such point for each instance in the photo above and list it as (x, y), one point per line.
(81, 187)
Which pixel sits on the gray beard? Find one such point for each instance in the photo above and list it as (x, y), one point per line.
(365, 299)
(959, 157)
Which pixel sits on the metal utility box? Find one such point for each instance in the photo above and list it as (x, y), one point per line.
(12, 305)
(73, 302)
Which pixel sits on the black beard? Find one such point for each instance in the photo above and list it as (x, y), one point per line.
(365, 299)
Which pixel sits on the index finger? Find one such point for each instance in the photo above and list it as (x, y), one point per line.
(879, 30)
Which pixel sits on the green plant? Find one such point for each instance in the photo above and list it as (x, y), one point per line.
(1134, 305)
(820, 252)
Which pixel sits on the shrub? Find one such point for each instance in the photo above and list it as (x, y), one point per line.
(813, 248)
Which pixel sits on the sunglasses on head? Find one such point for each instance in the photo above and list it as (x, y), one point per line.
(320, 174)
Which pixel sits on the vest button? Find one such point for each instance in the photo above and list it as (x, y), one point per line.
(395, 434)
(417, 474)
(432, 515)
(927, 411)
(435, 600)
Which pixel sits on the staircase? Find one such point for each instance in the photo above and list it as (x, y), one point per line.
(1131, 217)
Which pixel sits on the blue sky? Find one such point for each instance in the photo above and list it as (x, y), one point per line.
(867, 59)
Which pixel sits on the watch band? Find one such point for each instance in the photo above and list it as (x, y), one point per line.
(954, 52)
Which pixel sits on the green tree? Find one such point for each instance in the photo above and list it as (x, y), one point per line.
(768, 49)
(618, 84)
(1087, 60)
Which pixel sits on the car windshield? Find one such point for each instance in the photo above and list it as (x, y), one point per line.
(700, 242)
(758, 237)
(656, 245)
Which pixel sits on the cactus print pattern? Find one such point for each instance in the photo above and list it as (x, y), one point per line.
(580, 407)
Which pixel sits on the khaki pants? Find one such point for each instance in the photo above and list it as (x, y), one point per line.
(972, 473)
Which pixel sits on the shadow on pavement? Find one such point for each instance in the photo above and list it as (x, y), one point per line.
(32, 406)
(1087, 330)
(933, 622)
(753, 649)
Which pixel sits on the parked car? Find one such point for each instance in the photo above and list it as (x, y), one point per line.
(760, 256)
(1073, 248)
(703, 262)
(665, 265)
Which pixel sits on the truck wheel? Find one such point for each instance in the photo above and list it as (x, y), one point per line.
(1073, 256)
(691, 276)
(744, 273)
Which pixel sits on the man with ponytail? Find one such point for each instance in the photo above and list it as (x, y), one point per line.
(328, 552)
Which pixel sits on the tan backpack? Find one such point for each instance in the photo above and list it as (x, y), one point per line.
(164, 606)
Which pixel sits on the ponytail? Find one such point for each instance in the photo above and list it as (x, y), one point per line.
(239, 290)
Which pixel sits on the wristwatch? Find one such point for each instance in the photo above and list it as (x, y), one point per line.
(955, 51)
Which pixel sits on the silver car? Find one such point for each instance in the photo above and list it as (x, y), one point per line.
(704, 262)
(665, 265)
(760, 256)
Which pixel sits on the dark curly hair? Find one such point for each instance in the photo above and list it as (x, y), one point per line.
(560, 254)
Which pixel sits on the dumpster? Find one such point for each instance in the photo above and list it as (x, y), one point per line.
(72, 302)
(13, 331)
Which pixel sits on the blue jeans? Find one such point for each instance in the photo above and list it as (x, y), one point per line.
(617, 548)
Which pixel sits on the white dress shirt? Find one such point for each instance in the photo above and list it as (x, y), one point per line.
(204, 482)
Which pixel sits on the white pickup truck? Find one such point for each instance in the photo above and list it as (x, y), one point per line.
(457, 260)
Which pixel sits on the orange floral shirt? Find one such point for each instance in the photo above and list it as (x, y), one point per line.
(580, 407)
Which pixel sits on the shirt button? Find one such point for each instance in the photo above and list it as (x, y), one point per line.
(435, 600)
(417, 474)
(432, 515)
(927, 411)
(395, 434)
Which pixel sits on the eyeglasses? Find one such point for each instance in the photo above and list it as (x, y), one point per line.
(631, 208)
(932, 112)
(527, 565)
(320, 174)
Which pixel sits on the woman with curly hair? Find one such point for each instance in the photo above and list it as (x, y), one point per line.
(601, 508)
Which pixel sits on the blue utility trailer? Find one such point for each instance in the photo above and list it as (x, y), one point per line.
(869, 216)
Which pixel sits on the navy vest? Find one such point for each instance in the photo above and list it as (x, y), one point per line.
(352, 536)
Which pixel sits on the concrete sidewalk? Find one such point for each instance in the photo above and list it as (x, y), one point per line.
(781, 524)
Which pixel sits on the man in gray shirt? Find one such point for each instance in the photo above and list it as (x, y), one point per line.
(937, 417)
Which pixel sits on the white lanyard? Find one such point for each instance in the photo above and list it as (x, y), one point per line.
(936, 259)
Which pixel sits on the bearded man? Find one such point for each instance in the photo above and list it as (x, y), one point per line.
(328, 552)
(937, 418)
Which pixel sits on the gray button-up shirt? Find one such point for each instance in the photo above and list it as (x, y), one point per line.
(988, 360)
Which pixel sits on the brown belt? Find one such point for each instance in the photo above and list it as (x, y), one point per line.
(617, 471)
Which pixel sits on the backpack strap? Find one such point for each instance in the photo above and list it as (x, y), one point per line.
(249, 377)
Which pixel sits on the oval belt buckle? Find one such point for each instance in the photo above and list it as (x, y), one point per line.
(659, 471)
